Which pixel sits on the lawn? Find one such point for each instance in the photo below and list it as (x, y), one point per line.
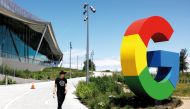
(183, 87)
(46, 74)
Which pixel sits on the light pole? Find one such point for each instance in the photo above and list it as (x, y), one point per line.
(70, 58)
(86, 19)
(91, 55)
(77, 62)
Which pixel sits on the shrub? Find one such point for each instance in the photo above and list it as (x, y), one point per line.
(46, 74)
(96, 94)
(86, 90)
(107, 92)
(105, 84)
(9, 81)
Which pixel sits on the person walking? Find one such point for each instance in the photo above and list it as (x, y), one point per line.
(60, 88)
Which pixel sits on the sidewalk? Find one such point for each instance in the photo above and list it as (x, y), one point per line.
(71, 101)
(20, 96)
(186, 103)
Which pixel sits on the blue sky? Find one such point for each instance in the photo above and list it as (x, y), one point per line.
(108, 25)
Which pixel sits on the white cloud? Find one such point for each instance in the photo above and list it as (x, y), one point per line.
(153, 70)
(188, 60)
(108, 64)
(101, 64)
(74, 53)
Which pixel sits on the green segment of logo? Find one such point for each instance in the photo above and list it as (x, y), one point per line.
(145, 85)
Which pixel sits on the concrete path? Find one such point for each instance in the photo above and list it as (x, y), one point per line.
(20, 96)
(186, 103)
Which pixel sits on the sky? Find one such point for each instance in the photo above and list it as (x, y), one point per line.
(107, 26)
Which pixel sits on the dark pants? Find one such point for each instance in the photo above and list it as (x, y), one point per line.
(60, 99)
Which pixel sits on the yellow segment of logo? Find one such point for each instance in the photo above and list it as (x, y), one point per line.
(133, 55)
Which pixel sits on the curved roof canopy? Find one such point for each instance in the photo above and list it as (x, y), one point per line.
(12, 10)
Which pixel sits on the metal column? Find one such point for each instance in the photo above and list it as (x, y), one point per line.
(40, 42)
(14, 44)
(87, 46)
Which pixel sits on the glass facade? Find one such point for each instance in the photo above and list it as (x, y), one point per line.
(21, 33)
(20, 42)
(9, 42)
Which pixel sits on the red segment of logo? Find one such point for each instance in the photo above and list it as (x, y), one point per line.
(155, 28)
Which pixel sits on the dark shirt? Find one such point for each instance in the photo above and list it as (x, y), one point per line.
(61, 83)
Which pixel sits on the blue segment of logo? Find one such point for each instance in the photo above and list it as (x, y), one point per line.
(167, 64)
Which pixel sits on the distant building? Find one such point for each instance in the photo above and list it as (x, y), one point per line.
(26, 41)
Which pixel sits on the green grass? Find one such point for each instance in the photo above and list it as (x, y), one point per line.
(9, 81)
(107, 92)
(183, 87)
(98, 93)
(45, 74)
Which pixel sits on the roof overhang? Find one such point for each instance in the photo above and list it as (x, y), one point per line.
(38, 26)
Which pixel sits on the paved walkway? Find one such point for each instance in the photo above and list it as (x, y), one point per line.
(186, 103)
(22, 97)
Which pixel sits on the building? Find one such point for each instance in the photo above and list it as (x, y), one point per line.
(26, 41)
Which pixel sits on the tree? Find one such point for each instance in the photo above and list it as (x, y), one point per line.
(92, 66)
(183, 60)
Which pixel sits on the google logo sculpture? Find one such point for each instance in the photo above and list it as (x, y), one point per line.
(135, 59)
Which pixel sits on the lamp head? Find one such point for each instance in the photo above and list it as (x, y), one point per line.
(92, 9)
(86, 18)
(85, 5)
(84, 12)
